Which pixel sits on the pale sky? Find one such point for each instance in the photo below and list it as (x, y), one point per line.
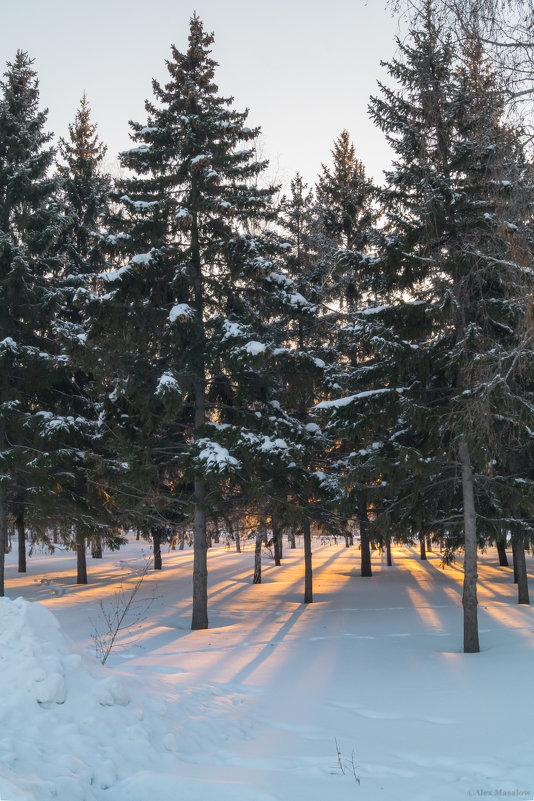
(304, 68)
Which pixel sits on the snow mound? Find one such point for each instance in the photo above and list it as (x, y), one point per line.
(72, 730)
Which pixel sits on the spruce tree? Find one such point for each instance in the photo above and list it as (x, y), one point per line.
(347, 214)
(196, 296)
(347, 208)
(450, 269)
(28, 301)
(83, 201)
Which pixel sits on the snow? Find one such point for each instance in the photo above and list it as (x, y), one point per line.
(140, 205)
(181, 311)
(139, 149)
(252, 709)
(167, 383)
(8, 344)
(281, 280)
(254, 348)
(373, 310)
(114, 275)
(339, 402)
(215, 456)
(232, 329)
(143, 258)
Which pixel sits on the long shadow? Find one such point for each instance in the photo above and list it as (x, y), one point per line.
(266, 652)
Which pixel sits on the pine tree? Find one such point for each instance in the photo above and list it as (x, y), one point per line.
(28, 301)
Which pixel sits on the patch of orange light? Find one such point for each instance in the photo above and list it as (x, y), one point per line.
(425, 612)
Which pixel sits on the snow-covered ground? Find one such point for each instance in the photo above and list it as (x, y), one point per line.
(256, 707)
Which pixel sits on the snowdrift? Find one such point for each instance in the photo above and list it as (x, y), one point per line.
(75, 731)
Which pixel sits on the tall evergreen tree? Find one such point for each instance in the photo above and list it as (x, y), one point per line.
(449, 268)
(196, 296)
(84, 192)
(28, 302)
(347, 214)
(347, 208)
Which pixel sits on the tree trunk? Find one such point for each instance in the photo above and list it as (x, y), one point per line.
(277, 546)
(3, 534)
(200, 540)
(365, 551)
(21, 536)
(346, 536)
(429, 544)
(81, 561)
(501, 551)
(237, 539)
(520, 568)
(308, 572)
(291, 538)
(422, 548)
(156, 545)
(257, 557)
(96, 548)
(200, 560)
(469, 598)
(388, 552)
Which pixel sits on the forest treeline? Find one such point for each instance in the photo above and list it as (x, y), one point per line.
(185, 350)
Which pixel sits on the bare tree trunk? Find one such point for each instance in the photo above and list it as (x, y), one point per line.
(200, 540)
(520, 568)
(21, 536)
(422, 548)
(429, 544)
(257, 557)
(156, 546)
(291, 538)
(308, 570)
(182, 541)
(96, 548)
(346, 536)
(3, 534)
(365, 551)
(388, 552)
(200, 560)
(277, 548)
(501, 551)
(81, 561)
(237, 539)
(469, 598)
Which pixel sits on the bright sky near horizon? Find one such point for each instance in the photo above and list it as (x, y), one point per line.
(304, 68)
